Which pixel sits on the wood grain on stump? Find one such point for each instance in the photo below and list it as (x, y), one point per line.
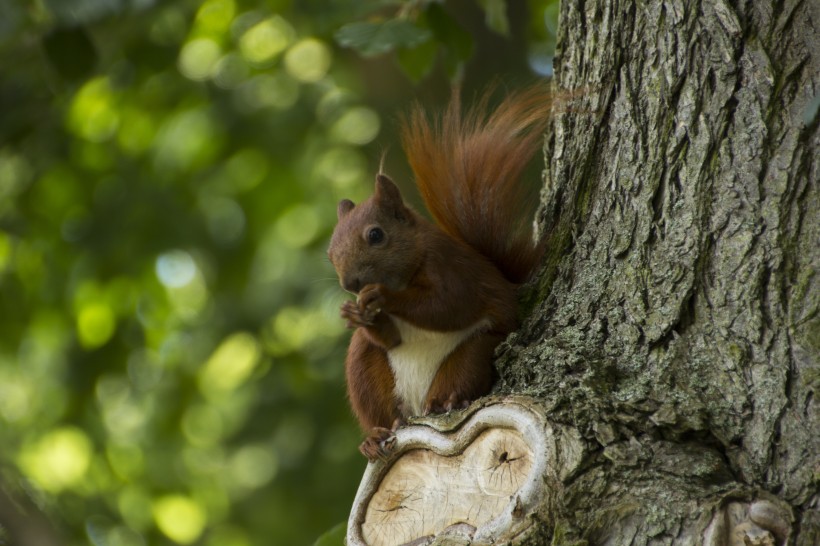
(478, 475)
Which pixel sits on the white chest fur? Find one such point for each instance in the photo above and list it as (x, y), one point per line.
(417, 359)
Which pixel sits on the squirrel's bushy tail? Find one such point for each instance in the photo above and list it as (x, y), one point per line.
(468, 168)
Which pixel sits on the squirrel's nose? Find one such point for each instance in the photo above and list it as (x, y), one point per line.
(352, 285)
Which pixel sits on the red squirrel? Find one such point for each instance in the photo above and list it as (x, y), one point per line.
(435, 299)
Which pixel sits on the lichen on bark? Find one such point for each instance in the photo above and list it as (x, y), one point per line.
(679, 332)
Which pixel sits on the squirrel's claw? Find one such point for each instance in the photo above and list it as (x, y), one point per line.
(370, 301)
(353, 315)
(453, 402)
(379, 445)
(367, 307)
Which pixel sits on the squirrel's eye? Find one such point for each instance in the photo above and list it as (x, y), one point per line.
(375, 236)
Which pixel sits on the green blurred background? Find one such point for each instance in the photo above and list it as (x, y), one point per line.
(171, 357)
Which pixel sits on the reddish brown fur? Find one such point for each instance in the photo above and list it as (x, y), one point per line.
(468, 170)
(465, 375)
(446, 277)
(368, 368)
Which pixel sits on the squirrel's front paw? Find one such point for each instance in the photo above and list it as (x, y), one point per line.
(370, 301)
(379, 444)
(353, 315)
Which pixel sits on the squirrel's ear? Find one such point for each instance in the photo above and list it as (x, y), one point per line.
(345, 206)
(387, 191)
(389, 196)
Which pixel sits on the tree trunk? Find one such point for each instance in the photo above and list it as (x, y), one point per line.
(678, 328)
(671, 354)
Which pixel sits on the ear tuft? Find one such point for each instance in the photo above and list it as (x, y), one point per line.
(345, 206)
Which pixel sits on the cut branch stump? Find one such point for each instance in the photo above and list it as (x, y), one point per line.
(478, 476)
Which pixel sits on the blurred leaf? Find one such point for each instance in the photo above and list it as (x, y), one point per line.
(334, 537)
(84, 11)
(447, 31)
(495, 15)
(371, 39)
(417, 62)
(70, 52)
(551, 17)
(457, 41)
(9, 23)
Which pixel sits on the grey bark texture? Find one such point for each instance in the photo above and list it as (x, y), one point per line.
(677, 325)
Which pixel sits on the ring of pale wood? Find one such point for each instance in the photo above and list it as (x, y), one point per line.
(485, 474)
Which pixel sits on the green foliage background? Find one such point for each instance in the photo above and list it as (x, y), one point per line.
(170, 347)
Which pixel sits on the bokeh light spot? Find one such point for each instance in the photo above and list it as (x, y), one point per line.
(202, 425)
(123, 414)
(190, 300)
(293, 328)
(5, 251)
(145, 369)
(15, 173)
(95, 324)
(230, 71)
(308, 60)
(358, 126)
(206, 460)
(169, 27)
(198, 58)
(253, 466)
(274, 261)
(230, 365)
(58, 460)
(294, 437)
(298, 226)
(93, 114)
(247, 169)
(225, 218)
(261, 43)
(180, 518)
(175, 269)
(123, 536)
(136, 132)
(343, 166)
(134, 504)
(16, 397)
(215, 16)
(126, 460)
(187, 140)
(278, 91)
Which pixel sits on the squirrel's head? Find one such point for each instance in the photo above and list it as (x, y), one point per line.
(376, 241)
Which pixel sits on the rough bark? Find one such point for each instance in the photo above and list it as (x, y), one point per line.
(675, 336)
(678, 328)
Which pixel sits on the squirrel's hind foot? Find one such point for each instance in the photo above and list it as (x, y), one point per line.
(379, 444)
